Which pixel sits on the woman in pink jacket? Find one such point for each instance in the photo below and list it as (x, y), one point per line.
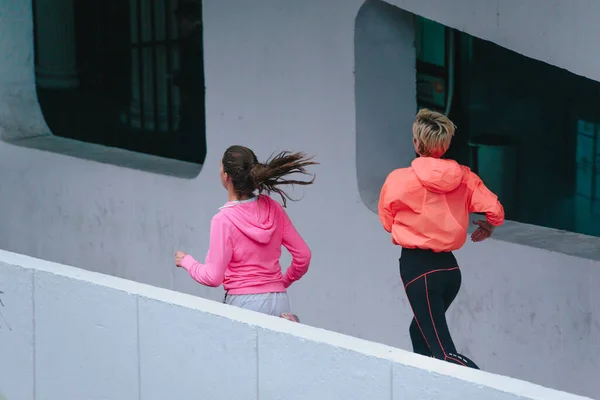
(247, 233)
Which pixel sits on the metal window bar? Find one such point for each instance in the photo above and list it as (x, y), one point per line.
(146, 46)
(140, 63)
(154, 64)
(594, 169)
(169, 59)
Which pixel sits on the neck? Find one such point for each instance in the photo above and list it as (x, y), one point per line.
(232, 196)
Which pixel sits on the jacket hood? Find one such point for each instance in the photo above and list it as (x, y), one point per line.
(256, 218)
(437, 175)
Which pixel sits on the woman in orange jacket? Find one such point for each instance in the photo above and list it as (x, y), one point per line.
(426, 209)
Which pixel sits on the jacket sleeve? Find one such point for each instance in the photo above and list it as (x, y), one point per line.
(384, 208)
(301, 254)
(484, 201)
(220, 251)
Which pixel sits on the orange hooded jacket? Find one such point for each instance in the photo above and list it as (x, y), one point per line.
(427, 205)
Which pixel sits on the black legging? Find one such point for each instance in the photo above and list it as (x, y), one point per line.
(430, 294)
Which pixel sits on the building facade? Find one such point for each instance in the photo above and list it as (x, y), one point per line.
(341, 80)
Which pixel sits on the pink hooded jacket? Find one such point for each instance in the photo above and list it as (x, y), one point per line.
(245, 247)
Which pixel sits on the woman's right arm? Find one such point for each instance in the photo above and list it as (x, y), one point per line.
(390, 197)
(299, 250)
(384, 209)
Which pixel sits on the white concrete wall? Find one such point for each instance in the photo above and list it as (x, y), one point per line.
(288, 81)
(559, 32)
(78, 335)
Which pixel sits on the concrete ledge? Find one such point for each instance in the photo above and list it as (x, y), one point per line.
(77, 334)
(109, 155)
(565, 242)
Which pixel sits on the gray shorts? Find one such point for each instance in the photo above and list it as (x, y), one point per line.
(266, 303)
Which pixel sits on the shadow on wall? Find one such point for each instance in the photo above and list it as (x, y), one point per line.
(385, 94)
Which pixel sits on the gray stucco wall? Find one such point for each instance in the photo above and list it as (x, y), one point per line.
(288, 82)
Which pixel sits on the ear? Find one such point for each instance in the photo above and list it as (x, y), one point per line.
(416, 145)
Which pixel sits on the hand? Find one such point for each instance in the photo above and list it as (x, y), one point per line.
(484, 231)
(178, 257)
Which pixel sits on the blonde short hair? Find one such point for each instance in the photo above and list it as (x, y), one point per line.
(432, 132)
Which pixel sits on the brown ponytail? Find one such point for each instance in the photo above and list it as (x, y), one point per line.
(248, 175)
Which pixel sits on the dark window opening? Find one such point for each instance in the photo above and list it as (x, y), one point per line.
(528, 128)
(125, 74)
